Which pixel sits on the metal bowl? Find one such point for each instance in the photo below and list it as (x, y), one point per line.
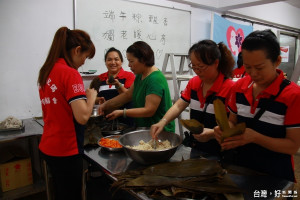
(149, 157)
(95, 112)
(115, 137)
(110, 128)
(108, 133)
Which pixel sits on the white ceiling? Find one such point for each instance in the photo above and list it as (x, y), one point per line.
(227, 5)
(295, 3)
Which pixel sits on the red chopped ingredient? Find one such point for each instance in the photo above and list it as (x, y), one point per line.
(109, 143)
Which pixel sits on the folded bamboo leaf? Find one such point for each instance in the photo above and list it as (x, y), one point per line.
(96, 83)
(221, 114)
(166, 192)
(238, 129)
(192, 125)
(111, 79)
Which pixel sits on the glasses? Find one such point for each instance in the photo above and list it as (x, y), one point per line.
(197, 68)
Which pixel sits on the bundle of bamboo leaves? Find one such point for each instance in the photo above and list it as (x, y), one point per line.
(193, 178)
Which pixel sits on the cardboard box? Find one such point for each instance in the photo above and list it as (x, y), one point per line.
(15, 174)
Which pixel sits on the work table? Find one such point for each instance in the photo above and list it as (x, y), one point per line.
(31, 128)
(115, 162)
(26, 139)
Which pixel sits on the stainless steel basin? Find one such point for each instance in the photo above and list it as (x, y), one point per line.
(149, 157)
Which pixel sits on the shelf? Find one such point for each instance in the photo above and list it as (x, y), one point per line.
(89, 75)
(28, 140)
(35, 188)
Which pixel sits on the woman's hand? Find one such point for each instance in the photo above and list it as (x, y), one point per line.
(218, 134)
(101, 100)
(205, 136)
(115, 82)
(82, 109)
(157, 128)
(115, 114)
(102, 106)
(239, 140)
(91, 94)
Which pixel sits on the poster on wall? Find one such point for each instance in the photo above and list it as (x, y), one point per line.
(284, 52)
(230, 33)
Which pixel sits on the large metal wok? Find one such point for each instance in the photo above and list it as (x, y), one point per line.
(149, 157)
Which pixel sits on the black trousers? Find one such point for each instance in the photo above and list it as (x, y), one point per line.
(67, 176)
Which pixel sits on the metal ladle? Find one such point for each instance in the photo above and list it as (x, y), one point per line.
(155, 142)
(115, 125)
(112, 125)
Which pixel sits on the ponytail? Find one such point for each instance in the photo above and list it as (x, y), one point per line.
(226, 62)
(63, 42)
(208, 51)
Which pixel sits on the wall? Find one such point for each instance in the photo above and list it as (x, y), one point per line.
(279, 13)
(27, 30)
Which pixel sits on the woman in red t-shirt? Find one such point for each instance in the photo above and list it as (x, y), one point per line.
(121, 81)
(66, 109)
(239, 72)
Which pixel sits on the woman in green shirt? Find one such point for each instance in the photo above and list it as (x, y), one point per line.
(149, 93)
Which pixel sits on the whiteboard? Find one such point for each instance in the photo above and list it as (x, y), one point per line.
(117, 23)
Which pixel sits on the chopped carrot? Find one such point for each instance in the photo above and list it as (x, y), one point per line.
(110, 143)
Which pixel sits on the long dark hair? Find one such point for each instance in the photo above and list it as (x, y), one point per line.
(208, 51)
(239, 61)
(64, 40)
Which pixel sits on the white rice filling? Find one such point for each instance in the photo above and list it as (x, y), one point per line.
(147, 146)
